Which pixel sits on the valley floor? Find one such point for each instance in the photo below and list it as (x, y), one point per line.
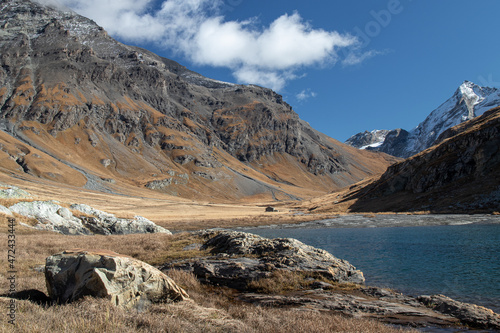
(211, 309)
(173, 213)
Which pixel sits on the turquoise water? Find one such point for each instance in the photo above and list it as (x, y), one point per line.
(460, 261)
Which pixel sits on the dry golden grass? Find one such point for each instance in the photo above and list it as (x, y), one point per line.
(282, 281)
(175, 214)
(210, 309)
(98, 315)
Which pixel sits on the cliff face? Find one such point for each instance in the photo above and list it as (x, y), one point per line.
(97, 113)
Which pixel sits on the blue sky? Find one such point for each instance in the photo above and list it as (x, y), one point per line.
(344, 66)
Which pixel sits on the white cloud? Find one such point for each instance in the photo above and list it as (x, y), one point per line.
(305, 94)
(355, 57)
(268, 56)
(275, 79)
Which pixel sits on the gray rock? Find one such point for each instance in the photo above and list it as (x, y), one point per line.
(65, 213)
(103, 223)
(48, 217)
(125, 281)
(53, 217)
(288, 253)
(106, 162)
(230, 272)
(469, 314)
(86, 209)
(248, 257)
(159, 184)
(359, 306)
(138, 224)
(14, 192)
(321, 285)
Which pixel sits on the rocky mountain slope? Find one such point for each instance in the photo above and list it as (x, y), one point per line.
(468, 101)
(79, 108)
(459, 174)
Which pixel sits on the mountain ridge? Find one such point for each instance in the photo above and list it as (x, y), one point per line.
(121, 115)
(468, 101)
(460, 174)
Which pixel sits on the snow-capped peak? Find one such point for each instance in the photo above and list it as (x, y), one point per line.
(470, 97)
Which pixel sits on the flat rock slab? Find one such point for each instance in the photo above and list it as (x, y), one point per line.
(470, 314)
(359, 306)
(125, 281)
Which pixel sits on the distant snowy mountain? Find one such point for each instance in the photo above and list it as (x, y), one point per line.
(468, 101)
(367, 139)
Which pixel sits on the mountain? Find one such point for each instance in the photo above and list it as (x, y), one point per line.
(79, 108)
(367, 139)
(461, 173)
(468, 101)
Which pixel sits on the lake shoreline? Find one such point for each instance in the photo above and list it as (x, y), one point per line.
(430, 258)
(383, 221)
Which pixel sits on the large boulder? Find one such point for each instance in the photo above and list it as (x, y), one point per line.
(125, 281)
(249, 257)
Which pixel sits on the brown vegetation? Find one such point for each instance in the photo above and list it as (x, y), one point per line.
(210, 309)
(282, 281)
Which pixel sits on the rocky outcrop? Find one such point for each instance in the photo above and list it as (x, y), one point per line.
(53, 217)
(287, 273)
(240, 258)
(103, 223)
(385, 305)
(390, 308)
(13, 192)
(126, 282)
(469, 314)
(65, 83)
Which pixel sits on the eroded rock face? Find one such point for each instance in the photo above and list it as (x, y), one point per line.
(125, 281)
(391, 309)
(249, 257)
